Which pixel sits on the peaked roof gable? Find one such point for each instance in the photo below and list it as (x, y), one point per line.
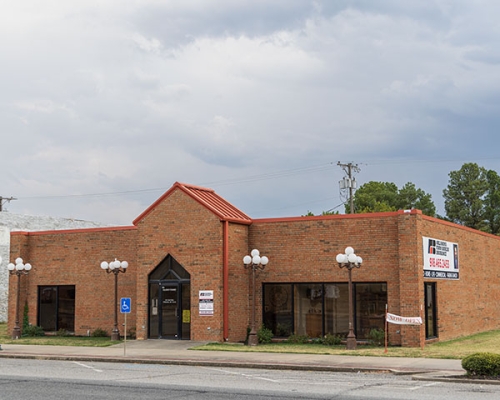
(207, 198)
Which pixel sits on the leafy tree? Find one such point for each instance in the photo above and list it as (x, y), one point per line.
(311, 214)
(492, 203)
(411, 197)
(385, 196)
(375, 197)
(465, 196)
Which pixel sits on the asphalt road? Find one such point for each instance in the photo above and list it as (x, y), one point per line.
(43, 379)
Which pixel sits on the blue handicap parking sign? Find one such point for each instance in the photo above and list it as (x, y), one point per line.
(125, 305)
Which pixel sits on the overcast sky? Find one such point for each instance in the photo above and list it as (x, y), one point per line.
(105, 104)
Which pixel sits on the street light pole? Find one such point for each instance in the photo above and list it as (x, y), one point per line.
(255, 262)
(115, 267)
(350, 260)
(18, 269)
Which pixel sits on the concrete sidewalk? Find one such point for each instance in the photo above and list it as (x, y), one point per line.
(178, 352)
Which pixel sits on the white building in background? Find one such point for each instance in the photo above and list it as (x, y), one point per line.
(17, 222)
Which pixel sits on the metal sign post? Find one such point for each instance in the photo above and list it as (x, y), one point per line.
(125, 308)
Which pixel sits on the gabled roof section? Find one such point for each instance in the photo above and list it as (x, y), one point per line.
(206, 197)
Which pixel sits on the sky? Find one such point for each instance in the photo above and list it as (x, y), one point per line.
(104, 105)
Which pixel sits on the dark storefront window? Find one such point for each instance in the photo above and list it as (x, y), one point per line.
(371, 300)
(430, 311)
(317, 309)
(56, 308)
(308, 309)
(336, 309)
(278, 309)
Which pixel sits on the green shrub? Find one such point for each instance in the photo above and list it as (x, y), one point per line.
(26, 320)
(331, 340)
(62, 332)
(298, 339)
(283, 329)
(376, 337)
(98, 332)
(482, 364)
(33, 330)
(264, 335)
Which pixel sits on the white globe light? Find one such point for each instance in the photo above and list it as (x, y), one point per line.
(247, 260)
(27, 267)
(360, 260)
(104, 265)
(124, 264)
(341, 258)
(19, 260)
(112, 265)
(352, 258)
(20, 266)
(11, 267)
(349, 250)
(256, 259)
(254, 252)
(264, 260)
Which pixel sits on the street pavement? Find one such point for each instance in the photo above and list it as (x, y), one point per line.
(180, 352)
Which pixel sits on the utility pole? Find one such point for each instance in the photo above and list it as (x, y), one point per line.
(349, 182)
(5, 200)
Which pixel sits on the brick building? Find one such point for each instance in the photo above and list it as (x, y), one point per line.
(186, 277)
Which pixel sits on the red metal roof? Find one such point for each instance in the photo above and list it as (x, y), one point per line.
(209, 199)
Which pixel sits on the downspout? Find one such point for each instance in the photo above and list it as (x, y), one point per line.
(225, 280)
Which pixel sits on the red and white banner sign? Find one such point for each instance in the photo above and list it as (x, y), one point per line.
(396, 319)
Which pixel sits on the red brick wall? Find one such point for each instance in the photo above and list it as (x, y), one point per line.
(74, 258)
(190, 233)
(305, 249)
(471, 304)
(239, 298)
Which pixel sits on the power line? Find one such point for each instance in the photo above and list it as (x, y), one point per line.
(252, 178)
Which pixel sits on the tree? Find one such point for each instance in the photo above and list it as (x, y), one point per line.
(375, 197)
(466, 194)
(411, 197)
(385, 196)
(492, 203)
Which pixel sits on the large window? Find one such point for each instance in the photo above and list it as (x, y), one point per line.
(56, 308)
(430, 310)
(278, 309)
(317, 309)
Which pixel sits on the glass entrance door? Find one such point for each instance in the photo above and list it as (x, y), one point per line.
(170, 311)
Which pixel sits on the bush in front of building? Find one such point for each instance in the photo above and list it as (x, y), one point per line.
(376, 337)
(33, 330)
(298, 339)
(98, 332)
(482, 365)
(331, 340)
(264, 335)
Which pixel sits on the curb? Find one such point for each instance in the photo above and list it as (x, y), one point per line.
(203, 363)
(416, 375)
(444, 377)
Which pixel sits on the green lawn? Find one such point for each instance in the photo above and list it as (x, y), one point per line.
(5, 338)
(454, 349)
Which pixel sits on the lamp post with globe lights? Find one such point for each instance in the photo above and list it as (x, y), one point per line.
(18, 269)
(115, 267)
(350, 260)
(256, 262)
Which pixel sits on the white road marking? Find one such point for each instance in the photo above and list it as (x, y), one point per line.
(422, 386)
(88, 366)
